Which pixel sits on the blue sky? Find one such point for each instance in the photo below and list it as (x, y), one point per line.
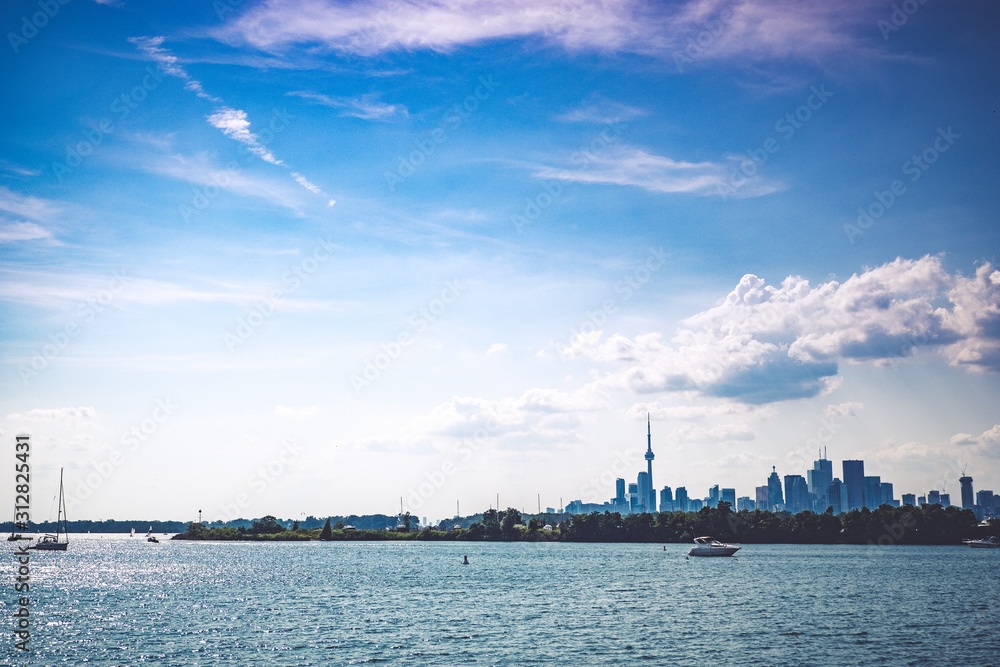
(314, 256)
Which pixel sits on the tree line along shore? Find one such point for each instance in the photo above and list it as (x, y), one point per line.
(927, 525)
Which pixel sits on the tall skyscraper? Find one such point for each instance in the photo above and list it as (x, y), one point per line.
(681, 499)
(796, 494)
(633, 498)
(651, 493)
(729, 496)
(909, 499)
(854, 478)
(819, 479)
(645, 491)
(968, 502)
(887, 498)
(873, 491)
(836, 496)
(760, 493)
(666, 500)
(933, 497)
(774, 497)
(713, 496)
(620, 490)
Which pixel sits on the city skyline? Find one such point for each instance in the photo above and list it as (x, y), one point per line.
(817, 491)
(313, 256)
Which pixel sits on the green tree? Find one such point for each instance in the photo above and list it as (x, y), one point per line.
(326, 533)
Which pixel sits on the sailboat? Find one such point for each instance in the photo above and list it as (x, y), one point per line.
(150, 537)
(51, 542)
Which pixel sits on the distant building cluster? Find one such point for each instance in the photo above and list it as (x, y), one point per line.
(815, 492)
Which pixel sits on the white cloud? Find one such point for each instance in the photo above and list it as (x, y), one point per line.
(152, 47)
(630, 165)
(597, 109)
(765, 343)
(78, 416)
(495, 348)
(304, 182)
(849, 409)
(986, 443)
(749, 31)
(366, 107)
(538, 416)
(234, 124)
(688, 433)
(27, 206)
(22, 231)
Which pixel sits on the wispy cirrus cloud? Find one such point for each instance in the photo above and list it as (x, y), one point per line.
(598, 109)
(752, 30)
(233, 123)
(633, 166)
(365, 107)
(22, 231)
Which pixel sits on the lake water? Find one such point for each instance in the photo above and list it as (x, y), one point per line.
(123, 601)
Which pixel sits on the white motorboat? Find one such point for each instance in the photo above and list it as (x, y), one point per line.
(990, 542)
(709, 546)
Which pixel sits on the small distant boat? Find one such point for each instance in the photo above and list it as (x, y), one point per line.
(150, 537)
(133, 533)
(990, 542)
(709, 546)
(52, 542)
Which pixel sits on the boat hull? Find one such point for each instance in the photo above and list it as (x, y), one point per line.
(50, 546)
(718, 551)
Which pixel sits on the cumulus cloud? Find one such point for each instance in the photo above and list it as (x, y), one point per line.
(986, 443)
(767, 343)
(744, 30)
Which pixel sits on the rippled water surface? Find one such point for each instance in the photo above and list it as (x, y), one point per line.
(123, 601)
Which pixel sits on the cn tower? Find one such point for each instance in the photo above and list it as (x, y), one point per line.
(651, 501)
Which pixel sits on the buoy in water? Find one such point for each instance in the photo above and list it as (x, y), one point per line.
(466, 561)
